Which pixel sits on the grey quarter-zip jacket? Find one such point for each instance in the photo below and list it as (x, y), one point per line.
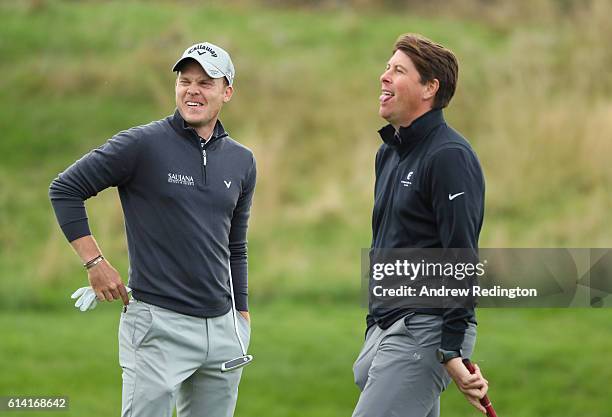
(186, 209)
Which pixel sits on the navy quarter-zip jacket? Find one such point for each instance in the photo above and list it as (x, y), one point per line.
(429, 193)
(186, 210)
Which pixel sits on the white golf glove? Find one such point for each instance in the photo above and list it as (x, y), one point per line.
(87, 298)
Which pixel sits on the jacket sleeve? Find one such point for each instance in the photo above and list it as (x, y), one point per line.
(109, 165)
(376, 171)
(457, 196)
(238, 240)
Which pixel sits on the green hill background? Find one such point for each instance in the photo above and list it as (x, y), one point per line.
(534, 98)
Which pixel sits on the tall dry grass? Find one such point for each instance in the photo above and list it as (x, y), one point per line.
(535, 100)
(537, 108)
(545, 134)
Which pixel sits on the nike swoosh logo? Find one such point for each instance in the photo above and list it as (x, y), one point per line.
(227, 184)
(453, 196)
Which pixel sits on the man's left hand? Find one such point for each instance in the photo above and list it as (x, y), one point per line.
(473, 387)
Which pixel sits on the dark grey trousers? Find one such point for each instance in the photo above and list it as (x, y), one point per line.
(397, 370)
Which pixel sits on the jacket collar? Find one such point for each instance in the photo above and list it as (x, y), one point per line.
(406, 137)
(181, 126)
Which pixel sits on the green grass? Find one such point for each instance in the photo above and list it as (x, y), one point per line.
(303, 359)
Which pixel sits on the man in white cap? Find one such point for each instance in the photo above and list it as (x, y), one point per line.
(186, 189)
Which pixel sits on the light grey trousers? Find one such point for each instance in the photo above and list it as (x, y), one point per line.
(171, 359)
(397, 370)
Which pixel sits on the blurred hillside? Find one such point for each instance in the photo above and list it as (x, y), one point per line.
(534, 98)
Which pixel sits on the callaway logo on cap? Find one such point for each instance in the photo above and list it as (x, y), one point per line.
(215, 61)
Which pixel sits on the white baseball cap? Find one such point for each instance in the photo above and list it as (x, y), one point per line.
(213, 59)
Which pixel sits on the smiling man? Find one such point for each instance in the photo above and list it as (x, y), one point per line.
(186, 189)
(429, 193)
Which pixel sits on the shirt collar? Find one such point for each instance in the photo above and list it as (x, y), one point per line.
(407, 137)
(182, 127)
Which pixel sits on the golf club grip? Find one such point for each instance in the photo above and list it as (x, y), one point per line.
(485, 402)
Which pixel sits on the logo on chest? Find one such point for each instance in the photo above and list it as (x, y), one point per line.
(180, 179)
(408, 181)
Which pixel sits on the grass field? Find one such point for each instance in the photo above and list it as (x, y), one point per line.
(303, 358)
(534, 99)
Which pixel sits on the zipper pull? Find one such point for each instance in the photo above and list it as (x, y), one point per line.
(204, 156)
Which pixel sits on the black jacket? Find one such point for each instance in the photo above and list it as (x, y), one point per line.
(429, 193)
(186, 211)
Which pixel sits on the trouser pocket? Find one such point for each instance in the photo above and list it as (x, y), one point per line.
(362, 364)
(134, 325)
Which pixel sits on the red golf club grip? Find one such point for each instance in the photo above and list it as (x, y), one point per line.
(485, 400)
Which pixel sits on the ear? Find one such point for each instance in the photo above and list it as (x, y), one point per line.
(227, 95)
(431, 88)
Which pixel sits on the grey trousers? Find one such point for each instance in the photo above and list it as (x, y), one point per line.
(170, 359)
(397, 370)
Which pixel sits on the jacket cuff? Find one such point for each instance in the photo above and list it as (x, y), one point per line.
(452, 340)
(242, 303)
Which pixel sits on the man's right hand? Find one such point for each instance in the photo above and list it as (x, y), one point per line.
(106, 283)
